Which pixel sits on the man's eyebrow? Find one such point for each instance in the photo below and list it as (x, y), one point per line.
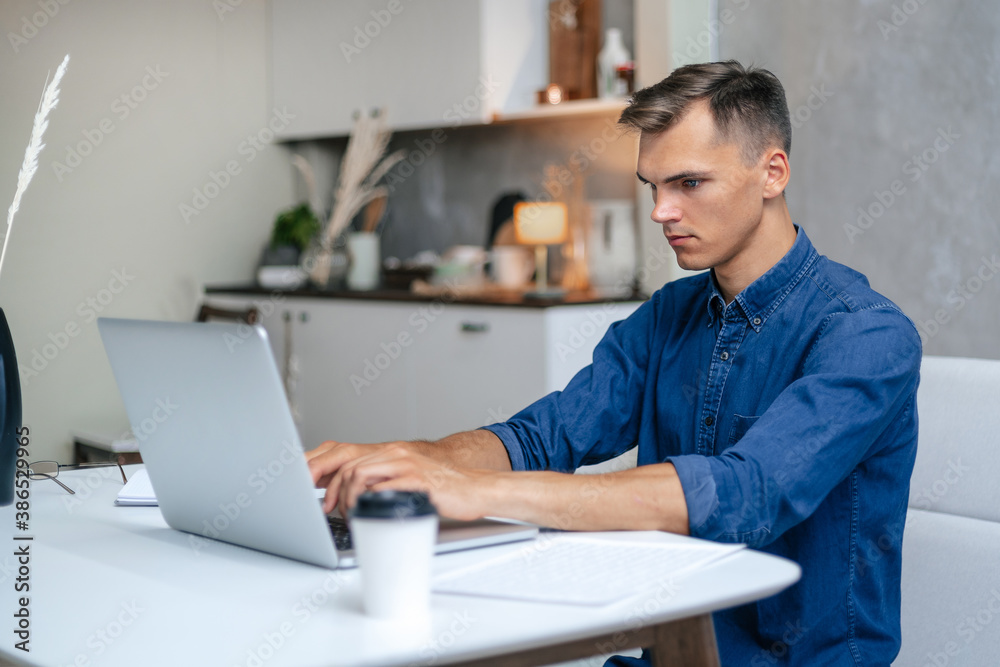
(684, 175)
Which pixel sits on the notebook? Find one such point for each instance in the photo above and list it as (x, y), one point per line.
(586, 569)
(208, 409)
(137, 491)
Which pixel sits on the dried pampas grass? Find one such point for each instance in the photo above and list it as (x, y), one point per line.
(360, 171)
(50, 99)
(309, 178)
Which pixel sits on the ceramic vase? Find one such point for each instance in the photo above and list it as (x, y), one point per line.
(10, 412)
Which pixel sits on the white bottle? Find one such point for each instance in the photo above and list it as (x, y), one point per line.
(611, 56)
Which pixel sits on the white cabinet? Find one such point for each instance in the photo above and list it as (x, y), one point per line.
(478, 365)
(370, 371)
(429, 64)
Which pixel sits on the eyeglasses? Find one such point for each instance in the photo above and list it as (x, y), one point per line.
(50, 470)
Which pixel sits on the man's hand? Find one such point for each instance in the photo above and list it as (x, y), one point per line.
(348, 470)
(329, 457)
(467, 476)
(327, 460)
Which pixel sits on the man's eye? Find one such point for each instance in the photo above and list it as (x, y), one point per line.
(691, 182)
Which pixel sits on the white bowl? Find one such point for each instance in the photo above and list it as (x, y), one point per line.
(281, 277)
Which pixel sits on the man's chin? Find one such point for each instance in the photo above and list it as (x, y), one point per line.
(689, 263)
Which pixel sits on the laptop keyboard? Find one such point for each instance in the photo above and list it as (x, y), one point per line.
(341, 533)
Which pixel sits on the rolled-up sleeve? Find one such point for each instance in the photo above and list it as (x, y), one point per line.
(859, 379)
(595, 417)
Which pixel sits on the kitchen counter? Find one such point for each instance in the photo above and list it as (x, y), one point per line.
(486, 297)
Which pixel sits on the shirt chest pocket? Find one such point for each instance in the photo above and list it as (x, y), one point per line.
(741, 424)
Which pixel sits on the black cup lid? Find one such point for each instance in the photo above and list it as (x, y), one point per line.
(392, 505)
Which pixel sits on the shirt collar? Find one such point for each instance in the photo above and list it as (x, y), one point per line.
(761, 297)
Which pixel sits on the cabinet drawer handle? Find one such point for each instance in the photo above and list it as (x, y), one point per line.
(475, 327)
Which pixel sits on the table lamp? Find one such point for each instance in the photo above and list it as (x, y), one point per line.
(541, 224)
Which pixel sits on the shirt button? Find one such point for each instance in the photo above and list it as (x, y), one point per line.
(724, 355)
(756, 321)
(709, 421)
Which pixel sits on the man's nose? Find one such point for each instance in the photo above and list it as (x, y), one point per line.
(665, 210)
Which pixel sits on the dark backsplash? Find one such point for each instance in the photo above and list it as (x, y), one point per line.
(443, 193)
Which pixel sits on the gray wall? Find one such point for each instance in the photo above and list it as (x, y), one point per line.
(884, 99)
(118, 208)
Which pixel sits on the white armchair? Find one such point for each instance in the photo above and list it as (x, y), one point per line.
(951, 543)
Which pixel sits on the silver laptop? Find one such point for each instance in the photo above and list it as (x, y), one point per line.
(214, 429)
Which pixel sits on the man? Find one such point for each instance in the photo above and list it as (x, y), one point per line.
(772, 398)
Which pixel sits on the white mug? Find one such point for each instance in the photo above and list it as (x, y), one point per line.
(511, 266)
(366, 260)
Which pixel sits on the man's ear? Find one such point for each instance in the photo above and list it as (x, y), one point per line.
(778, 173)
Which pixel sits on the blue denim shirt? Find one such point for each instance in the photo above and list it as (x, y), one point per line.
(790, 416)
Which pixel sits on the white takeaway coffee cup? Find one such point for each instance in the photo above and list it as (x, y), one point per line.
(394, 533)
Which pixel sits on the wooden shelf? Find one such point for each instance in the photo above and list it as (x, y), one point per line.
(591, 107)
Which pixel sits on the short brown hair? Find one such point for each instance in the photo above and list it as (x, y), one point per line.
(748, 104)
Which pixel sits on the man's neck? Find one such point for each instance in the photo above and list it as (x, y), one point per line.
(776, 237)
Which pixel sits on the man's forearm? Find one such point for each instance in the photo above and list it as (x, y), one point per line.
(479, 449)
(468, 476)
(644, 498)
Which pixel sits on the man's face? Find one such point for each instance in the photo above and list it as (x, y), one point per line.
(709, 202)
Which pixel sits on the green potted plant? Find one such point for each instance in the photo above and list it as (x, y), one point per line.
(294, 228)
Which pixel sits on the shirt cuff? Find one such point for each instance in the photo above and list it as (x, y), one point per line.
(509, 439)
(700, 491)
